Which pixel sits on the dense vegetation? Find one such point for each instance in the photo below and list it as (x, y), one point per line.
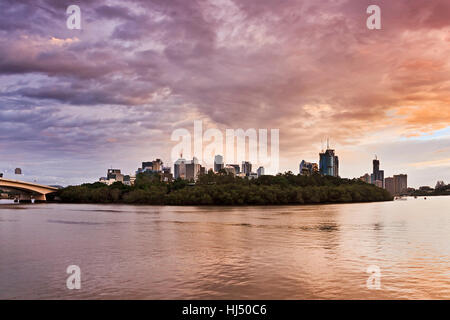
(223, 189)
(442, 190)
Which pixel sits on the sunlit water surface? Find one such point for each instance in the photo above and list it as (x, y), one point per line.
(285, 252)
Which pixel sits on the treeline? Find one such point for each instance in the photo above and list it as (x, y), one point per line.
(223, 189)
(439, 191)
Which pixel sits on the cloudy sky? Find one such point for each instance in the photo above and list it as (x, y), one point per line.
(76, 102)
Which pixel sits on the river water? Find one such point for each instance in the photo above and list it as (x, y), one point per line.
(283, 252)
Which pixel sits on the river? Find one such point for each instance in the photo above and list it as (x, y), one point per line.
(282, 252)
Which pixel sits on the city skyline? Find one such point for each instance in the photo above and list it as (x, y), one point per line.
(75, 102)
(214, 168)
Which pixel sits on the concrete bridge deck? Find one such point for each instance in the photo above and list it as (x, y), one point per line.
(37, 191)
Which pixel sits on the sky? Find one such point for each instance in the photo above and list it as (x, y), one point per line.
(74, 103)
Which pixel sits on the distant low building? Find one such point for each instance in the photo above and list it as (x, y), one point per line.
(365, 178)
(114, 174)
(127, 180)
(426, 189)
(18, 171)
(236, 167)
(253, 175)
(230, 170)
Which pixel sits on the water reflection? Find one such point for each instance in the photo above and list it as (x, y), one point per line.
(291, 252)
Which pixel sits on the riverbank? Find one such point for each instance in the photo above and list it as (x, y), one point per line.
(212, 189)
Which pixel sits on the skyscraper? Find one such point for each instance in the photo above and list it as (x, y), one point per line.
(377, 174)
(246, 168)
(218, 163)
(329, 163)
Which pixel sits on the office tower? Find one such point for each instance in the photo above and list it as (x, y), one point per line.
(193, 169)
(246, 168)
(151, 166)
(377, 174)
(389, 185)
(400, 184)
(308, 168)
(260, 171)
(179, 169)
(329, 163)
(218, 163)
(376, 169)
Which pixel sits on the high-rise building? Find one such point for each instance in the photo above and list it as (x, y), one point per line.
(377, 174)
(187, 169)
(151, 166)
(308, 168)
(246, 168)
(192, 169)
(329, 163)
(218, 163)
(179, 169)
(400, 184)
(260, 171)
(389, 185)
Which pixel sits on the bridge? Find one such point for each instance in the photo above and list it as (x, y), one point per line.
(30, 190)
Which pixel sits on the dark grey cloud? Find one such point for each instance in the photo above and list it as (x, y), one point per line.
(138, 69)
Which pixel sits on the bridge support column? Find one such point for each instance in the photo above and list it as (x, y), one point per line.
(40, 198)
(25, 198)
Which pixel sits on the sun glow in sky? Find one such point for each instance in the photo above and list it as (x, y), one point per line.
(76, 102)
